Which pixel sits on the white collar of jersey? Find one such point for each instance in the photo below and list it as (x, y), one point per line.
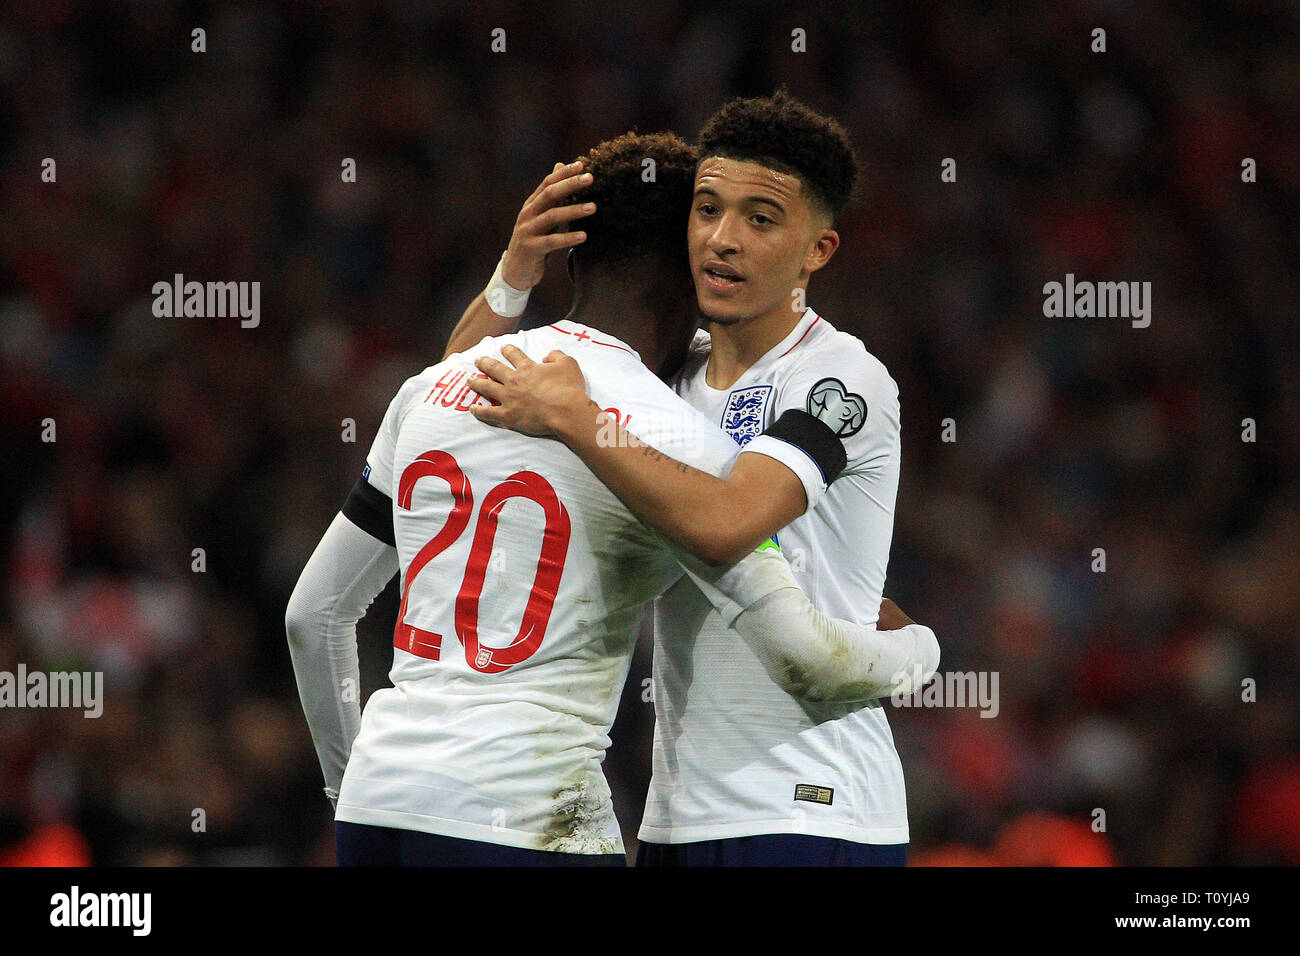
(782, 348)
(797, 335)
(585, 334)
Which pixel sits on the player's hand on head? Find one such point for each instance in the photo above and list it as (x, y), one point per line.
(543, 213)
(530, 397)
(891, 617)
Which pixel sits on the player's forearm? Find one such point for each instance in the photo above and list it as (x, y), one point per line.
(542, 227)
(478, 322)
(325, 659)
(809, 655)
(823, 659)
(342, 577)
(689, 507)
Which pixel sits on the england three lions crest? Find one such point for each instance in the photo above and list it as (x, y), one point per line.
(745, 416)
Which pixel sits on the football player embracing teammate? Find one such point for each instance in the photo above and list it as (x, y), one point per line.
(745, 774)
(523, 576)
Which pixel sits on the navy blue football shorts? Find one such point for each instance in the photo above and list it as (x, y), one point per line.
(360, 844)
(772, 849)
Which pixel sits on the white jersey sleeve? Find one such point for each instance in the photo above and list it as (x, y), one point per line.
(835, 412)
(347, 570)
(807, 654)
(378, 471)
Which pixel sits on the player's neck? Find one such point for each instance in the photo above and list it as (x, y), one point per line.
(736, 346)
(625, 317)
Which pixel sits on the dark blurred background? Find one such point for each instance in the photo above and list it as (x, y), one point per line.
(1119, 690)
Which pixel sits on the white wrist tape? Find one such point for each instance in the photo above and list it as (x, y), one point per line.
(503, 298)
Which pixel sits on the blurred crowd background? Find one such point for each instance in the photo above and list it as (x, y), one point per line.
(1120, 690)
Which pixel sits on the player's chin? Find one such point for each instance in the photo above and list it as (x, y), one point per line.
(721, 311)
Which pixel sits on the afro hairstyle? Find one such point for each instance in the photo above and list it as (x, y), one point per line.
(782, 133)
(642, 185)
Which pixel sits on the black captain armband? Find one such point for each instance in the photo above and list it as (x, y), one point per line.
(371, 510)
(814, 438)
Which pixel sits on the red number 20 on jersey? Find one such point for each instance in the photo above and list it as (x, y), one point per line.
(546, 578)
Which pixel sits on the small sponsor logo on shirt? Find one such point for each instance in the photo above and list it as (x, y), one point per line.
(365, 472)
(746, 413)
(806, 791)
(834, 405)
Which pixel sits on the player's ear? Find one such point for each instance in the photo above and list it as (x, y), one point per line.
(568, 263)
(821, 249)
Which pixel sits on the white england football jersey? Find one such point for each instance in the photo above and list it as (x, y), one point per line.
(523, 579)
(733, 754)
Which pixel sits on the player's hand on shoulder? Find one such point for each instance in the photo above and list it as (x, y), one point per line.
(891, 617)
(543, 213)
(535, 398)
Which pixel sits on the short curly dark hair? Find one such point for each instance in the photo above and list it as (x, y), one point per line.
(782, 133)
(641, 207)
